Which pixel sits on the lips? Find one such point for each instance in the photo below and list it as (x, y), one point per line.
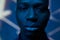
(31, 29)
(32, 26)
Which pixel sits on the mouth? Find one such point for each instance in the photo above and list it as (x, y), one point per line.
(31, 28)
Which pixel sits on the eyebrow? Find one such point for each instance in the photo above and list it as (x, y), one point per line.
(38, 4)
(23, 5)
(26, 3)
(41, 4)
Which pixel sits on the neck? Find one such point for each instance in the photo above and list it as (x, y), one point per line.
(39, 35)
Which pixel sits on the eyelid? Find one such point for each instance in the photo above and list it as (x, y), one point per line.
(23, 6)
(42, 7)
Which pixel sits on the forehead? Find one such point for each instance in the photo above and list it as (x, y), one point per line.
(32, 1)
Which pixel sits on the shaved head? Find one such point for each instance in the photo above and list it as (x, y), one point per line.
(32, 16)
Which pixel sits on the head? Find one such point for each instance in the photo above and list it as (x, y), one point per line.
(32, 14)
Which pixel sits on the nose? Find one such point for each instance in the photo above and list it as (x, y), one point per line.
(32, 15)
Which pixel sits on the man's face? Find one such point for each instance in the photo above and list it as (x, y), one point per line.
(32, 14)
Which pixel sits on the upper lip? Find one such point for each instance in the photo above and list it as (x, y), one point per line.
(34, 26)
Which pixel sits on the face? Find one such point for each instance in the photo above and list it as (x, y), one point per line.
(32, 14)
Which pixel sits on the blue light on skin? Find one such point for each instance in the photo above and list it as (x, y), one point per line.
(32, 15)
(31, 29)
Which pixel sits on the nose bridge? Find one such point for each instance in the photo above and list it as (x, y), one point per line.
(31, 13)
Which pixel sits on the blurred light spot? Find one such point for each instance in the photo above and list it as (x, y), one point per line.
(4, 14)
(14, 1)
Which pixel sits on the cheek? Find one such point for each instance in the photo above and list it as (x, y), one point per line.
(43, 17)
(22, 16)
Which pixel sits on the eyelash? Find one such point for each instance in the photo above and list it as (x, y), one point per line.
(23, 8)
(42, 9)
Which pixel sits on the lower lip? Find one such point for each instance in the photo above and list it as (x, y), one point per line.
(31, 28)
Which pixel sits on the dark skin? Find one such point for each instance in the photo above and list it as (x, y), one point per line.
(32, 17)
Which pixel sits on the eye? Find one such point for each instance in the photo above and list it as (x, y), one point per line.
(22, 7)
(44, 9)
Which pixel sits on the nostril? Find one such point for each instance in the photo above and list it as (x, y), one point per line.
(32, 19)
